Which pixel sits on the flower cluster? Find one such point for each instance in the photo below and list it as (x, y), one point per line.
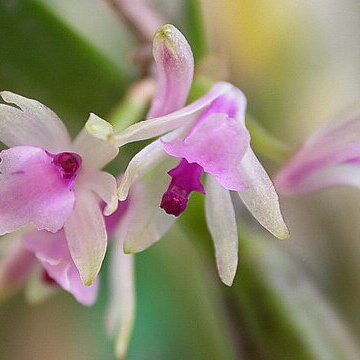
(60, 210)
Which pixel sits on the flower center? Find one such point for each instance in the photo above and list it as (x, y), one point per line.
(68, 163)
(186, 178)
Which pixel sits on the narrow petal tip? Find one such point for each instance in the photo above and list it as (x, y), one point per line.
(122, 191)
(89, 282)
(227, 278)
(130, 250)
(88, 278)
(112, 206)
(171, 49)
(168, 33)
(283, 234)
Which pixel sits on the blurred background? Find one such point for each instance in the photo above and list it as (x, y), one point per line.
(298, 64)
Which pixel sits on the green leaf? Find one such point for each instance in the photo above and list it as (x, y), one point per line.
(283, 313)
(44, 57)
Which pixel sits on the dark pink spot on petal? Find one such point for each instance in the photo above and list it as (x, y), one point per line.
(48, 280)
(186, 178)
(68, 163)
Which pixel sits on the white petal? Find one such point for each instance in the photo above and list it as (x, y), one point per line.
(98, 127)
(104, 185)
(144, 161)
(157, 126)
(33, 124)
(86, 236)
(260, 196)
(148, 222)
(95, 152)
(121, 309)
(220, 218)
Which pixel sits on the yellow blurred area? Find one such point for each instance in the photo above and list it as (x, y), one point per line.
(297, 58)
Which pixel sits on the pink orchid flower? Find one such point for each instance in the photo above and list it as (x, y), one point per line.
(40, 262)
(208, 136)
(50, 183)
(329, 158)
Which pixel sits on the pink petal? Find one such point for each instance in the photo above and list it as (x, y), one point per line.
(232, 103)
(218, 145)
(86, 235)
(32, 191)
(16, 264)
(333, 145)
(33, 124)
(175, 69)
(335, 175)
(53, 253)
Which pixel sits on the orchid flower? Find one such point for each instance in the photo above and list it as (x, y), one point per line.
(208, 136)
(50, 183)
(41, 262)
(56, 186)
(329, 158)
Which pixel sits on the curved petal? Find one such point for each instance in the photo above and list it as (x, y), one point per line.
(260, 196)
(95, 152)
(53, 253)
(175, 69)
(120, 314)
(336, 175)
(33, 124)
(144, 161)
(335, 143)
(32, 191)
(104, 185)
(220, 218)
(157, 126)
(148, 222)
(232, 103)
(218, 145)
(86, 236)
(16, 263)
